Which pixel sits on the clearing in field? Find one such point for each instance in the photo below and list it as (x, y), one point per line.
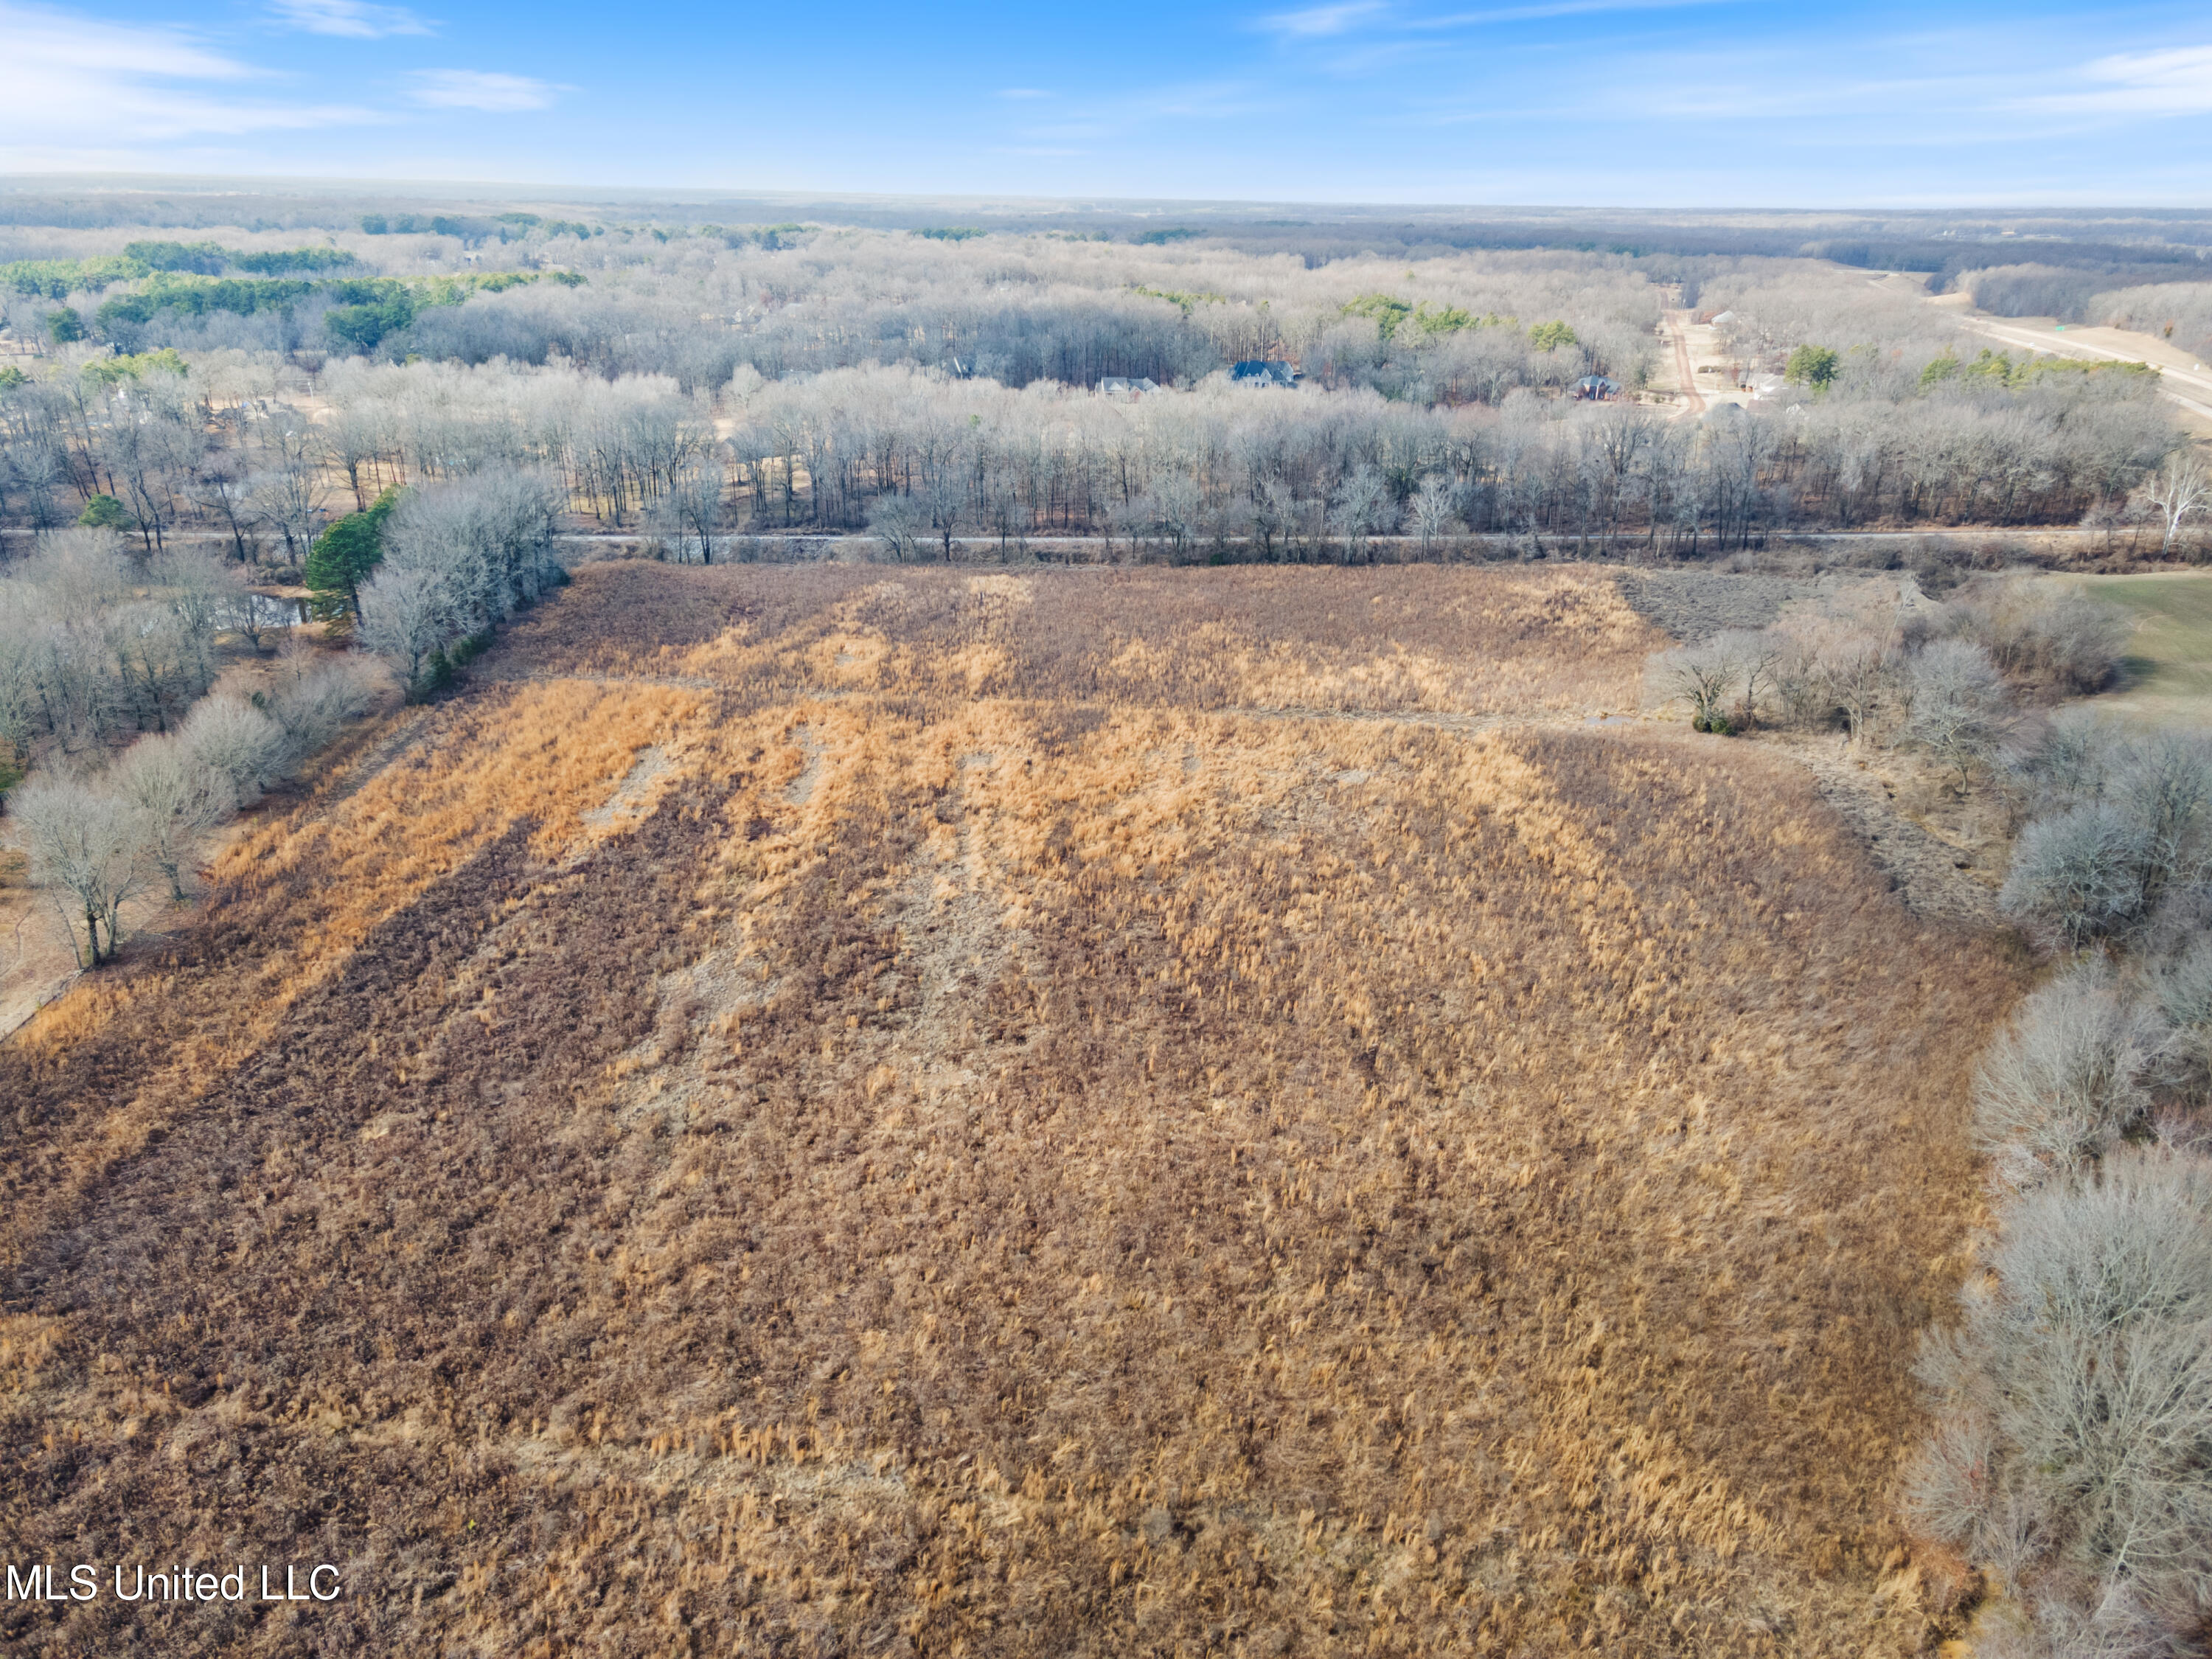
(821, 1112)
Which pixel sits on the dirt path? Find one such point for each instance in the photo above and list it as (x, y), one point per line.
(1693, 402)
(1930, 875)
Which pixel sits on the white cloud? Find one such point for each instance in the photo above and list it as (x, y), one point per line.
(67, 79)
(1547, 9)
(1316, 21)
(2177, 81)
(354, 20)
(473, 89)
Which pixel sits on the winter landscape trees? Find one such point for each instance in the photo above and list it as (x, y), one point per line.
(1260, 1109)
(717, 380)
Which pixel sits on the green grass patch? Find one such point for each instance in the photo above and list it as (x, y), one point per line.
(2169, 662)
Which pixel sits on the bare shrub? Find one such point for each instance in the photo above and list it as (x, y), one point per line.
(2163, 784)
(1960, 708)
(2076, 1409)
(2065, 763)
(1722, 681)
(232, 737)
(2042, 633)
(1855, 671)
(2078, 874)
(2065, 1081)
(326, 696)
(86, 852)
(2183, 988)
(179, 797)
(2130, 839)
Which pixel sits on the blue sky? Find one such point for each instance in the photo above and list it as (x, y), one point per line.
(1637, 103)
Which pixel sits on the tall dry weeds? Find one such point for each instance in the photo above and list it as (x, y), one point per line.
(714, 1169)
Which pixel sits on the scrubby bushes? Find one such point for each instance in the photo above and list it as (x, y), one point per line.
(1885, 665)
(2120, 842)
(2183, 990)
(97, 840)
(2076, 1397)
(1957, 704)
(2066, 1080)
(2044, 636)
(235, 739)
(2072, 1455)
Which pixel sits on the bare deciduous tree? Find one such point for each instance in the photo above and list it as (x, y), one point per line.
(1360, 509)
(2067, 1079)
(1433, 510)
(87, 854)
(2074, 1404)
(178, 799)
(2180, 489)
(901, 523)
(406, 617)
(1961, 709)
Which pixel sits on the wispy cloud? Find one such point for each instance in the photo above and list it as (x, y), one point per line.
(475, 89)
(2176, 80)
(1545, 9)
(67, 79)
(354, 20)
(1314, 22)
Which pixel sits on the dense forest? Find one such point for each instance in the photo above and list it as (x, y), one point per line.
(944, 382)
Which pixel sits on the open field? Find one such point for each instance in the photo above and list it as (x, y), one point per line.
(810, 1112)
(2169, 664)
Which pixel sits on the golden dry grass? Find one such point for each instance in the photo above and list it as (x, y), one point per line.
(1422, 637)
(875, 1168)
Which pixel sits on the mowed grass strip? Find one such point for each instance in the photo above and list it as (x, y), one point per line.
(940, 1174)
(2169, 660)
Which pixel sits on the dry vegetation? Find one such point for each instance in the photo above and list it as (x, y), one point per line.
(810, 1115)
(1416, 639)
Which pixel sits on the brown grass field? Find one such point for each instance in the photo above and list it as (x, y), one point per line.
(811, 1113)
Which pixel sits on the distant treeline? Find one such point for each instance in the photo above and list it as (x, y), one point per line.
(56, 279)
(1942, 244)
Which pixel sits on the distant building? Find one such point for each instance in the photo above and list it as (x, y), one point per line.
(1118, 385)
(1595, 388)
(1724, 319)
(1263, 371)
